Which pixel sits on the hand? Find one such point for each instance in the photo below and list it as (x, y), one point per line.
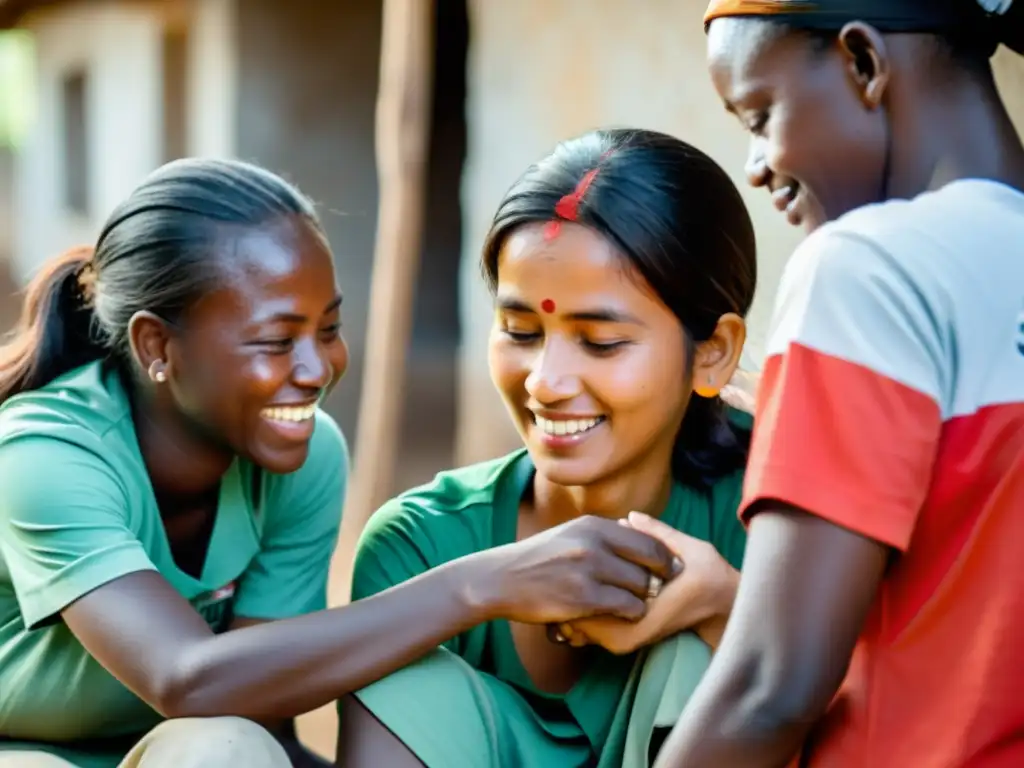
(741, 391)
(590, 566)
(700, 598)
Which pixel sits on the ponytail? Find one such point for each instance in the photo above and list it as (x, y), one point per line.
(55, 332)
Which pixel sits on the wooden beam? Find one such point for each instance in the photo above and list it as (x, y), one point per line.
(402, 144)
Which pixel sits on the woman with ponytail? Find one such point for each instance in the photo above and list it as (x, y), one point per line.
(622, 266)
(880, 617)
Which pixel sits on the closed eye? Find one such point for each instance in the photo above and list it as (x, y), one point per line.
(519, 337)
(604, 348)
(758, 123)
(331, 331)
(275, 346)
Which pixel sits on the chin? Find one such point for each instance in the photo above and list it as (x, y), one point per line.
(810, 224)
(278, 462)
(568, 472)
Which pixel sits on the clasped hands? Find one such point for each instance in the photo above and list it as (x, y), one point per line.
(698, 598)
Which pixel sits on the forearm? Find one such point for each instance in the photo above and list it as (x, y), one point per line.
(740, 721)
(281, 669)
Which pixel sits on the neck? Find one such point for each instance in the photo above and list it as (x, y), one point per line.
(637, 489)
(976, 140)
(180, 464)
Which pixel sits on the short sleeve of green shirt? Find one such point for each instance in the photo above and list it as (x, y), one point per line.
(300, 532)
(461, 512)
(63, 509)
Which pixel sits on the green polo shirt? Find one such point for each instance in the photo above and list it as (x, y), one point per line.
(77, 511)
(473, 509)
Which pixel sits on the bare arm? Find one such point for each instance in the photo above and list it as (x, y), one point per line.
(805, 590)
(152, 640)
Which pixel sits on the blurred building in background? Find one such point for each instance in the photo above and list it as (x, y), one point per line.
(121, 86)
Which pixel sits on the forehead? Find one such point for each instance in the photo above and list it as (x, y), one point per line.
(746, 55)
(575, 267)
(283, 268)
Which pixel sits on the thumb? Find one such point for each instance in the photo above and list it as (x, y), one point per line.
(677, 541)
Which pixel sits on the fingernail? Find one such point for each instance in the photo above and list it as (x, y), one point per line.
(624, 522)
(640, 517)
(677, 566)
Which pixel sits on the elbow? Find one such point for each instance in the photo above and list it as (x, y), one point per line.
(172, 697)
(786, 701)
(180, 692)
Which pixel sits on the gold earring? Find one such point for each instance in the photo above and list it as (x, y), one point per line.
(708, 390)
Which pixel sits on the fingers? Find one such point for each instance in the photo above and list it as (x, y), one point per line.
(612, 570)
(642, 549)
(619, 603)
(566, 634)
(738, 400)
(675, 540)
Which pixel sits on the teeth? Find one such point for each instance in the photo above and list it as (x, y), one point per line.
(289, 413)
(570, 427)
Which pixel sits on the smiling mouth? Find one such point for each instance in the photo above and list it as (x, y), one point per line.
(289, 414)
(566, 427)
(786, 200)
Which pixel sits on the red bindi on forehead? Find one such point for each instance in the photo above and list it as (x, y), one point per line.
(548, 306)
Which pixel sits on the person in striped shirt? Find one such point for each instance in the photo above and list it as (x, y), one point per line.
(880, 615)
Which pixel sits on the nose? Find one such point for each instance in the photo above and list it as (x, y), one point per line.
(758, 173)
(311, 369)
(551, 380)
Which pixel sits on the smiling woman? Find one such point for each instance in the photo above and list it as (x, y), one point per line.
(170, 375)
(622, 266)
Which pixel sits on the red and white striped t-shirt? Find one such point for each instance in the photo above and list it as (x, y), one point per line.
(892, 404)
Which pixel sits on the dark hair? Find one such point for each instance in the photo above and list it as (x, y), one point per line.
(964, 34)
(156, 253)
(677, 217)
(969, 49)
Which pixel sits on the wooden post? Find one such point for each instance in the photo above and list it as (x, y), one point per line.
(402, 145)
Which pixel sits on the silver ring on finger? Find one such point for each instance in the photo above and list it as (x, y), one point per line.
(654, 585)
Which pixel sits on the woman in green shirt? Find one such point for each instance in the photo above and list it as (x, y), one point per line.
(170, 496)
(622, 267)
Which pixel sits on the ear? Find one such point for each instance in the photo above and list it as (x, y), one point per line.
(867, 62)
(149, 337)
(717, 358)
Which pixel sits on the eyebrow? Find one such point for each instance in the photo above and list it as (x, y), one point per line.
(591, 315)
(292, 317)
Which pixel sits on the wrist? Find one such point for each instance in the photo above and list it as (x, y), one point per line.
(725, 595)
(711, 631)
(473, 584)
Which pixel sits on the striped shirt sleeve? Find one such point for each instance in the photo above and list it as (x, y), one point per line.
(850, 405)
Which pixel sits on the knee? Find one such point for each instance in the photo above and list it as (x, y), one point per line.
(215, 741)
